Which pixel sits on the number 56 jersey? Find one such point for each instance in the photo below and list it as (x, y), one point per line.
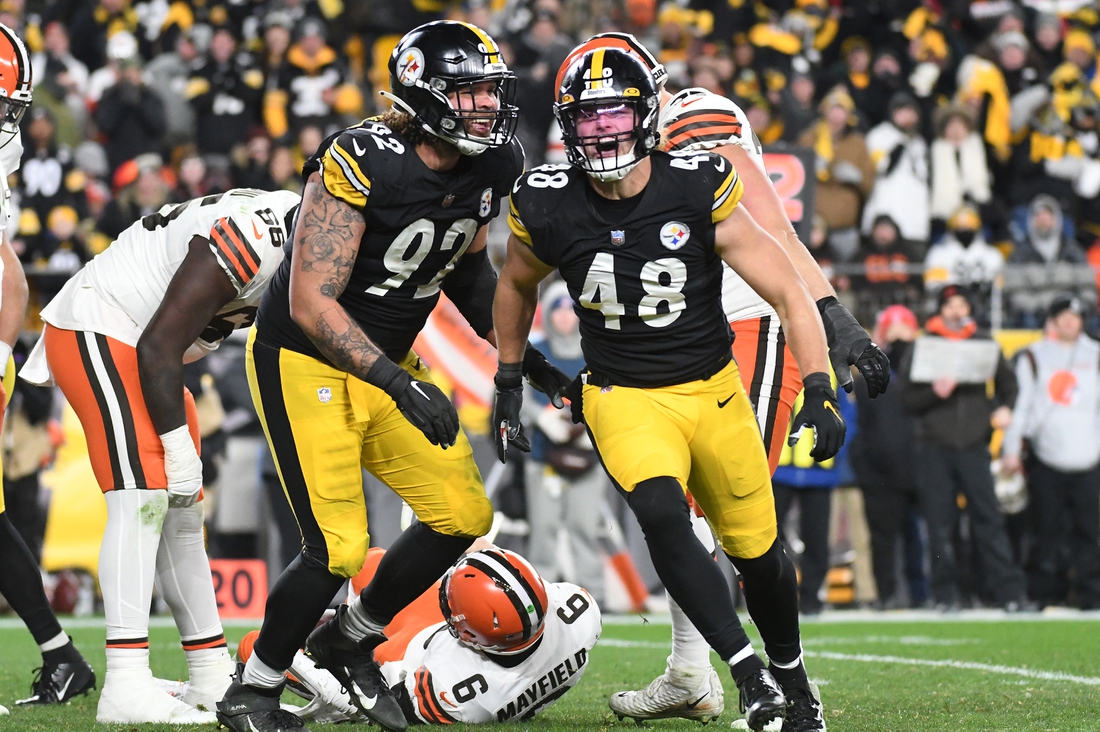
(647, 287)
(449, 682)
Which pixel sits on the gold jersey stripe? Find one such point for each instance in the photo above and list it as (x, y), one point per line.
(517, 226)
(727, 197)
(343, 178)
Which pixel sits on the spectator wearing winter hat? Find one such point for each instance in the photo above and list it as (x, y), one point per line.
(960, 175)
(130, 115)
(1048, 39)
(954, 423)
(891, 270)
(1080, 50)
(900, 156)
(884, 459)
(963, 257)
(1058, 414)
(797, 107)
(226, 92)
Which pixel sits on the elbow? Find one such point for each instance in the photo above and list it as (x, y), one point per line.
(303, 312)
(152, 355)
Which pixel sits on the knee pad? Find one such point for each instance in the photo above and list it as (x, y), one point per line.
(659, 504)
(769, 566)
(471, 519)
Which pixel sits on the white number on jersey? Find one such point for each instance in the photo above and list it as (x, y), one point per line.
(599, 291)
(682, 161)
(411, 247)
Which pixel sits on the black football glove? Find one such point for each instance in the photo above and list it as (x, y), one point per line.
(422, 403)
(821, 413)
(574, 393)
(849, 345)
(544, 376)
(506, 427)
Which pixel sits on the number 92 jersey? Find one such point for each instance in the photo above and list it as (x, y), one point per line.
(647, 287)
(419, 223)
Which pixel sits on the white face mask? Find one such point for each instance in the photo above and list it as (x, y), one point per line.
(604, 169)
(11, 151)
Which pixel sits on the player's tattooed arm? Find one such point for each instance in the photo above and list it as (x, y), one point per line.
(326, 242)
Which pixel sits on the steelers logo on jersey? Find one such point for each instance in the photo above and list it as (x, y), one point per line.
(486, 203)
(410, 67)
(674, 235)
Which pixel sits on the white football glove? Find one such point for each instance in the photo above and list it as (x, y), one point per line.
(182, 466)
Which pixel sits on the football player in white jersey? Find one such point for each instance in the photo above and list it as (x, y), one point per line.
(64, 673)
(166, 292)
(490, 642)
(695, 119)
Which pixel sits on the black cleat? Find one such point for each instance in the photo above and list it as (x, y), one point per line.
(762, 699)
(354, 667)
(804, 710)
(243, 709)
(58, 682)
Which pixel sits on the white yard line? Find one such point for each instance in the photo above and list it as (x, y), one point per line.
(968, 665)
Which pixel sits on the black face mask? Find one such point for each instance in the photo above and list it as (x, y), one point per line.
(896, 350)
(965, 237)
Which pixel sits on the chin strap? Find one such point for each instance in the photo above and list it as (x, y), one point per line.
(465, 146)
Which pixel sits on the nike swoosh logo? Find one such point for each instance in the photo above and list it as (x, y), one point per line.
(61, 693)
(692, 705)
(727, 400)
(830, 408)
(368, 702)
(252, 727)
(358, 150)
(256, 231)
(689, 102)
(721, 165)
(416, 385)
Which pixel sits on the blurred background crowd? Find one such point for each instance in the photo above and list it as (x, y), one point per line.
(953, 184)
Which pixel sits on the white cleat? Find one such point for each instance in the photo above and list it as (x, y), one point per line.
(133, 696)
(776, 725)
(208, 684)
(688, 693)
(3, 710)
(329, 703)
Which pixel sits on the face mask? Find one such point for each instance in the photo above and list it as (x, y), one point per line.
(965, 237)
(895, 351)
(10, 152)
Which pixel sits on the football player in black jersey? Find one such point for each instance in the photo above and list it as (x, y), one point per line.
(394, 211)
(639, 237)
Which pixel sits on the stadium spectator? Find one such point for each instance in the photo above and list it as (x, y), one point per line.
(168, 75)
(1058, 416)
(890, 270)
(900, 156)
(963, 257)
(130, 115)
(254, 170)
(960, 174)
(953, 431)
(564, 483)
(276, 43)
(142, 189)
(797, 106)
(539, 52)
(1046, 242)
(47, 176)
(884, 458)
(59, 77)
(844, 169)
(226, 92)
(1048, 39)
(94, 24)
(1021, 69)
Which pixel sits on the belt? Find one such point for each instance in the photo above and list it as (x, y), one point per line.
(594, 378)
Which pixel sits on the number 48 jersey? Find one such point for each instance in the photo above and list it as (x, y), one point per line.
(449, 682)
(120, 290)
(647, 287)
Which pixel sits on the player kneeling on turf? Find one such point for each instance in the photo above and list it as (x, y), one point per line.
(490, 642)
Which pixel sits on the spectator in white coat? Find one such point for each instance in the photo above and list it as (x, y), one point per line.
(960, 172)
(900, 156)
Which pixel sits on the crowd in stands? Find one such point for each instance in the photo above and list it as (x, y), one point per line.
(955, 149)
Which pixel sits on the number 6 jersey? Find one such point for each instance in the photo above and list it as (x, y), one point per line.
(647, 286)
(119, 291)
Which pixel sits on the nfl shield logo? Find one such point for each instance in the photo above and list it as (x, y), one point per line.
(324, 395)
(618, 238)
(448, 200)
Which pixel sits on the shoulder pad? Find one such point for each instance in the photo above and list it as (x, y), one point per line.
(698, 119)
(544, 176)
(345, 166)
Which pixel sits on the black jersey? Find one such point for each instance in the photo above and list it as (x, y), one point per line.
(419, 223)
(648, 289)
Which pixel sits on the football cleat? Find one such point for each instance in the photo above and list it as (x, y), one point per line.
(57, 683)
(243, 709)
(762, 699)
(688, 693)
(208, 683)
(133, 696)
(353, 665)
(804, 710)
(3, 710)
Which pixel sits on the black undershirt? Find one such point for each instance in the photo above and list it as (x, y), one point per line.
(612, 210)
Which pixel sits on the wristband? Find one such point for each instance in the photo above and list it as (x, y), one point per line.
(388, 376)
(509, 376)
(177, 442)
(826, 302)
(5, 355)
(817, 380)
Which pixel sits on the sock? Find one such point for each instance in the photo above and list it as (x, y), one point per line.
(790, 675)
(262, 677)
(183, 577)
(416, 560)
(128, 659)
(744, 664)
(66, 652)
(297, 601)
(209, 651)
(58, 641)
(771, 595)
(689, 647)
(356, 624)
(127, 564)
(21, 584)
(688, 571)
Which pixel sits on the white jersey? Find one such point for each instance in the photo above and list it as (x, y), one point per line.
(697, 119)
(450, 682)
(119, 291)
(11, 154)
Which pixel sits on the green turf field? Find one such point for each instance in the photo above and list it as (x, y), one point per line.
(908, 674)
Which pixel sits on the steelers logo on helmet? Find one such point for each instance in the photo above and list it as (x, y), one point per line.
(494, 601)
(15, 83)
(607, 107)
(674, 235)
(451, 78)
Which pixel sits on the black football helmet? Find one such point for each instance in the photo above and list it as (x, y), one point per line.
(602, 78)
(451, 57)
